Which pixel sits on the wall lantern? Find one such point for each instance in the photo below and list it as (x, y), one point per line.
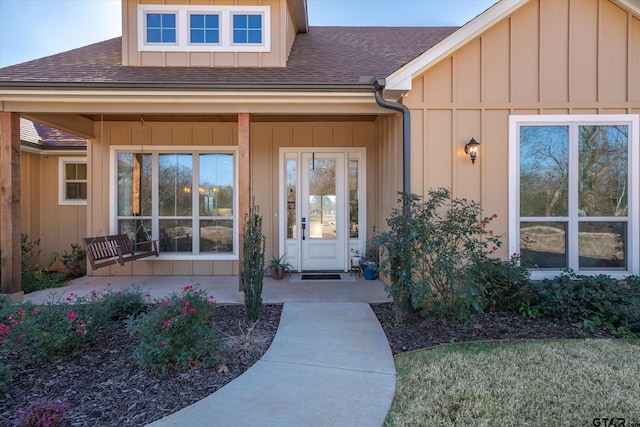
(471, 148)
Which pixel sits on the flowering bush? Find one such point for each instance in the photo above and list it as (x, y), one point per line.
(176, 332)
(428, 249)
(57, 329)
(42, 413)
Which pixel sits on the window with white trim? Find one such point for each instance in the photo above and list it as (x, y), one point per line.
(190, 28)
(574, 193)
(247, 28)
(161, 27)
(184, 199)
(72, 180)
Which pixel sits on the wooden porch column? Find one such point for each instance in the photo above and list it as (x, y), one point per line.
(244, 179)
(10, 250)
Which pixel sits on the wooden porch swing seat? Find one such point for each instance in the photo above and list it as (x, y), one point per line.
(116, 249)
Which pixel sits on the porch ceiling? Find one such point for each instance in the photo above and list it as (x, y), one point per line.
(231, 118)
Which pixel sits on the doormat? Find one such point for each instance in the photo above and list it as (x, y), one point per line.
(321, 277)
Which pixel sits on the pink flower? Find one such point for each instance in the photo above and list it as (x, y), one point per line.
(484, 225)
(162, 343)
(166, 323)
(495, 248)
(72, 315)
(167, 302)
(495, 215)
(490, 232)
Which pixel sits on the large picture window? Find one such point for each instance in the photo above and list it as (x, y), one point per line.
(185, 200)
(574, 192)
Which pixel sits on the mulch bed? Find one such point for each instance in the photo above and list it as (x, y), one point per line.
(105, 387)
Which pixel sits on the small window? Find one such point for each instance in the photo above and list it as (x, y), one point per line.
(73, 181)
(161, 28)
(247, 29)
(204, 28)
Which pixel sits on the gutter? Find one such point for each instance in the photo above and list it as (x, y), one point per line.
(379, 85)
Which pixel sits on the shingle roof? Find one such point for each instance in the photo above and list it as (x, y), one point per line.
(324, 55)
(46, 137)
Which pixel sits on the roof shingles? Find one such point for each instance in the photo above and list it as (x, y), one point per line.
(324, 55)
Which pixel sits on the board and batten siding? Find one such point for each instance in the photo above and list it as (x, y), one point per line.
(548, 57)
(281, 39)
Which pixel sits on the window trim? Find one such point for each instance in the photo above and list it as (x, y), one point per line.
(633, 222)
(62, 180)
(164, 149)
(225, 14)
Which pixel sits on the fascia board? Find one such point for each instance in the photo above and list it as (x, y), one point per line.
(402, 78)
(632, 5)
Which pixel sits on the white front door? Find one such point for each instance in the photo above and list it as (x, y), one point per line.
(323, 213)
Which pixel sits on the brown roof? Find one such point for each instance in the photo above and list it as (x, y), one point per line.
(323, 56)
(46, 137)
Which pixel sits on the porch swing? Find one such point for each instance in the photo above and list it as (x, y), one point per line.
(105, 250)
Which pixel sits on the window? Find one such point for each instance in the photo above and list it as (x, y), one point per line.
(191, 28)
(72, 186)
(186, 200)
(247, 28)
(574, 193)
(204, 28)
(161, 28)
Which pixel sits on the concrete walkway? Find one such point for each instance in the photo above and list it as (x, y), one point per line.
(329, 365)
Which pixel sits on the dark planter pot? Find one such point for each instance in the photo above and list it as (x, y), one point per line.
(370, 271)
(278, 273)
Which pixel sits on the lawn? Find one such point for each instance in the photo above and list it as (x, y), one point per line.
(555, 382)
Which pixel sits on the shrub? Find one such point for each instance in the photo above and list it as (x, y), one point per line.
(429, 248)
(35, 278)
(252, 270)
(43, 413)
(5, 376)
(76, 261)
(176, 332)
(504, 282)
(573, 298)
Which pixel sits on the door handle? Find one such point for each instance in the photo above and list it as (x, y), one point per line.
(304, 227)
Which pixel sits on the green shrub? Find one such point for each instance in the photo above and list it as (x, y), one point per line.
(34, 277)
(76, 261)
(42, 413)
(252, 269)
(504, 282)
(117, 304)
(428, 250)
(587, 300)
(5, 376)
(176, 332)
(5, 301)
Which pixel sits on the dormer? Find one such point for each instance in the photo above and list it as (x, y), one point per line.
(192, 33)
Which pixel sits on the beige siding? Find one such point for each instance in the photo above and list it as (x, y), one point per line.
(389, 165)
(57, 226)
(282, 34)
(549, 57)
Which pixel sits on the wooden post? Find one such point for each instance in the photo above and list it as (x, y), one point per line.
(10, 247)
(244, 179)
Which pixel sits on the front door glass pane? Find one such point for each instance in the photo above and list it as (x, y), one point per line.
(291, 198)
(322, 198)
(353, 199)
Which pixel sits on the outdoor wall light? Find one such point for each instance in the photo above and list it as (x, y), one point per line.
(471, 148)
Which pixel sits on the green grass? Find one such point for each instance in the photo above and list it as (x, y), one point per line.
(536, 383)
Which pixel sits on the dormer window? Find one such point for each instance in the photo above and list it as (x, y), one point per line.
(247, 29)
(161, 27)
(188, 28)
(204, 28)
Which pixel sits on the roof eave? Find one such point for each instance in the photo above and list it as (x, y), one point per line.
(401, 79)
(300, 16)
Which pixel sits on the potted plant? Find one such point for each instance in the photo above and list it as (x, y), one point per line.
(279, 267)
(356, 257)
(370, 263)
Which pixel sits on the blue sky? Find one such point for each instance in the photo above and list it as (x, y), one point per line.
(31, 29)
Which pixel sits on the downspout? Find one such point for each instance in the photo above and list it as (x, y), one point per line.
(379, 85)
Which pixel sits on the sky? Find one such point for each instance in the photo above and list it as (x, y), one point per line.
(31, 29)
